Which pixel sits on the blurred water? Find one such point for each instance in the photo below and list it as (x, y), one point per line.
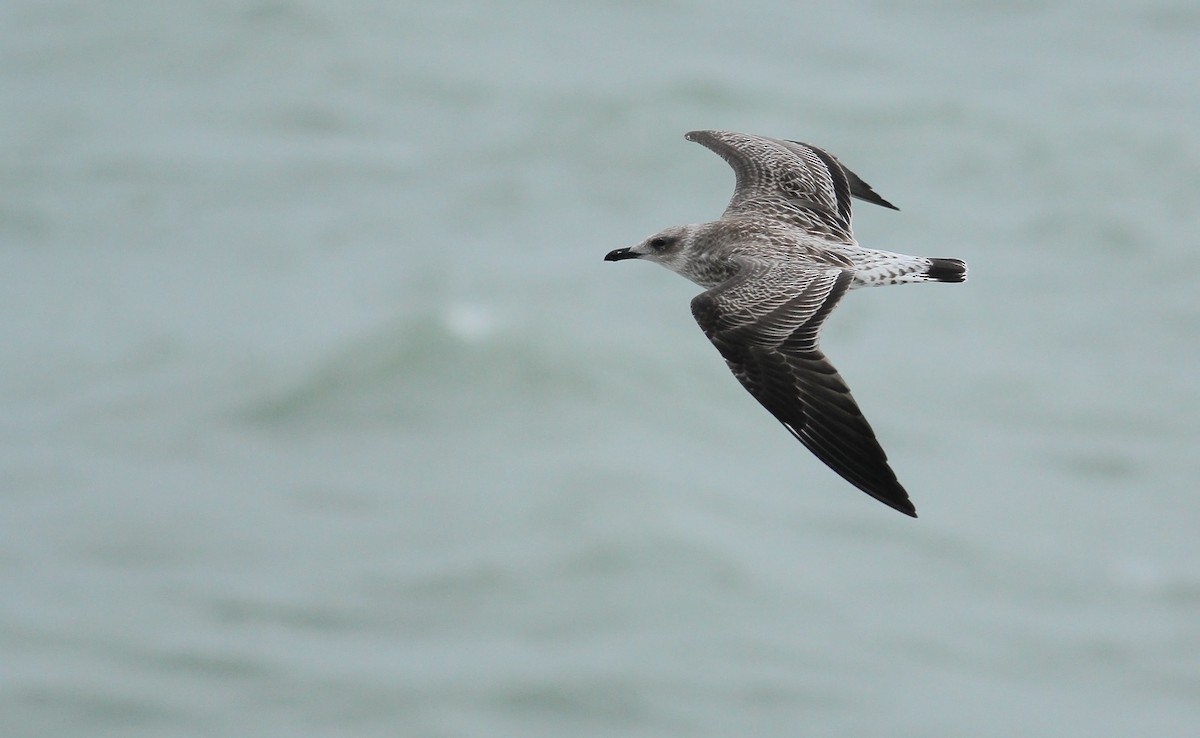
(322, 414)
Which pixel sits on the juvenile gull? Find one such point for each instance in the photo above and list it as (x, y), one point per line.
(776, 263)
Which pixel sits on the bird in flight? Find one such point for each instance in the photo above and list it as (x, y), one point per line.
(773, 267)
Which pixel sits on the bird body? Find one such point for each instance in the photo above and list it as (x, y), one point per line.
(773, 267)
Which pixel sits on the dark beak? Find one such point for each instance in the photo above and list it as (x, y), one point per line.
(620, 254)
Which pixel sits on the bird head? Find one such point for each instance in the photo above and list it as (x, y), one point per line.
(668, 248)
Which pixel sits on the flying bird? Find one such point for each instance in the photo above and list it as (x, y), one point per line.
(773, 266)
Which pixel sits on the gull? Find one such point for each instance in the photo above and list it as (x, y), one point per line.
(773, 266)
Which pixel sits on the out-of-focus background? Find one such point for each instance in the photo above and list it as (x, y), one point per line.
(321, 414)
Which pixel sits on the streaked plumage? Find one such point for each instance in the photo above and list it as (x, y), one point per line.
(776, 263)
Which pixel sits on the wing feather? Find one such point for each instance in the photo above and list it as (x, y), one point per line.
(765, 322)
(790, 181)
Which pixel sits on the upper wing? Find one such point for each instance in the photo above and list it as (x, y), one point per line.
(765, 323)
(789, 180)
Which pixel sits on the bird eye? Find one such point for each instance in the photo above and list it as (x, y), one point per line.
(658, 243)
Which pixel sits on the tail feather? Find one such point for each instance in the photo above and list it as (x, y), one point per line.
(947, 270)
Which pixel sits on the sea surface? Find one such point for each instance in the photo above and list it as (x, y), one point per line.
(320, 413)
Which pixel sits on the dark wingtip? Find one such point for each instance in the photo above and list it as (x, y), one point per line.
(896, 498)
(858, 188)
(892, 495)
(947, 270)
(874, 198)
(864, 191)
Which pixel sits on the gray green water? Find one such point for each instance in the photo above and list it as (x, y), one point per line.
(321, 415)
